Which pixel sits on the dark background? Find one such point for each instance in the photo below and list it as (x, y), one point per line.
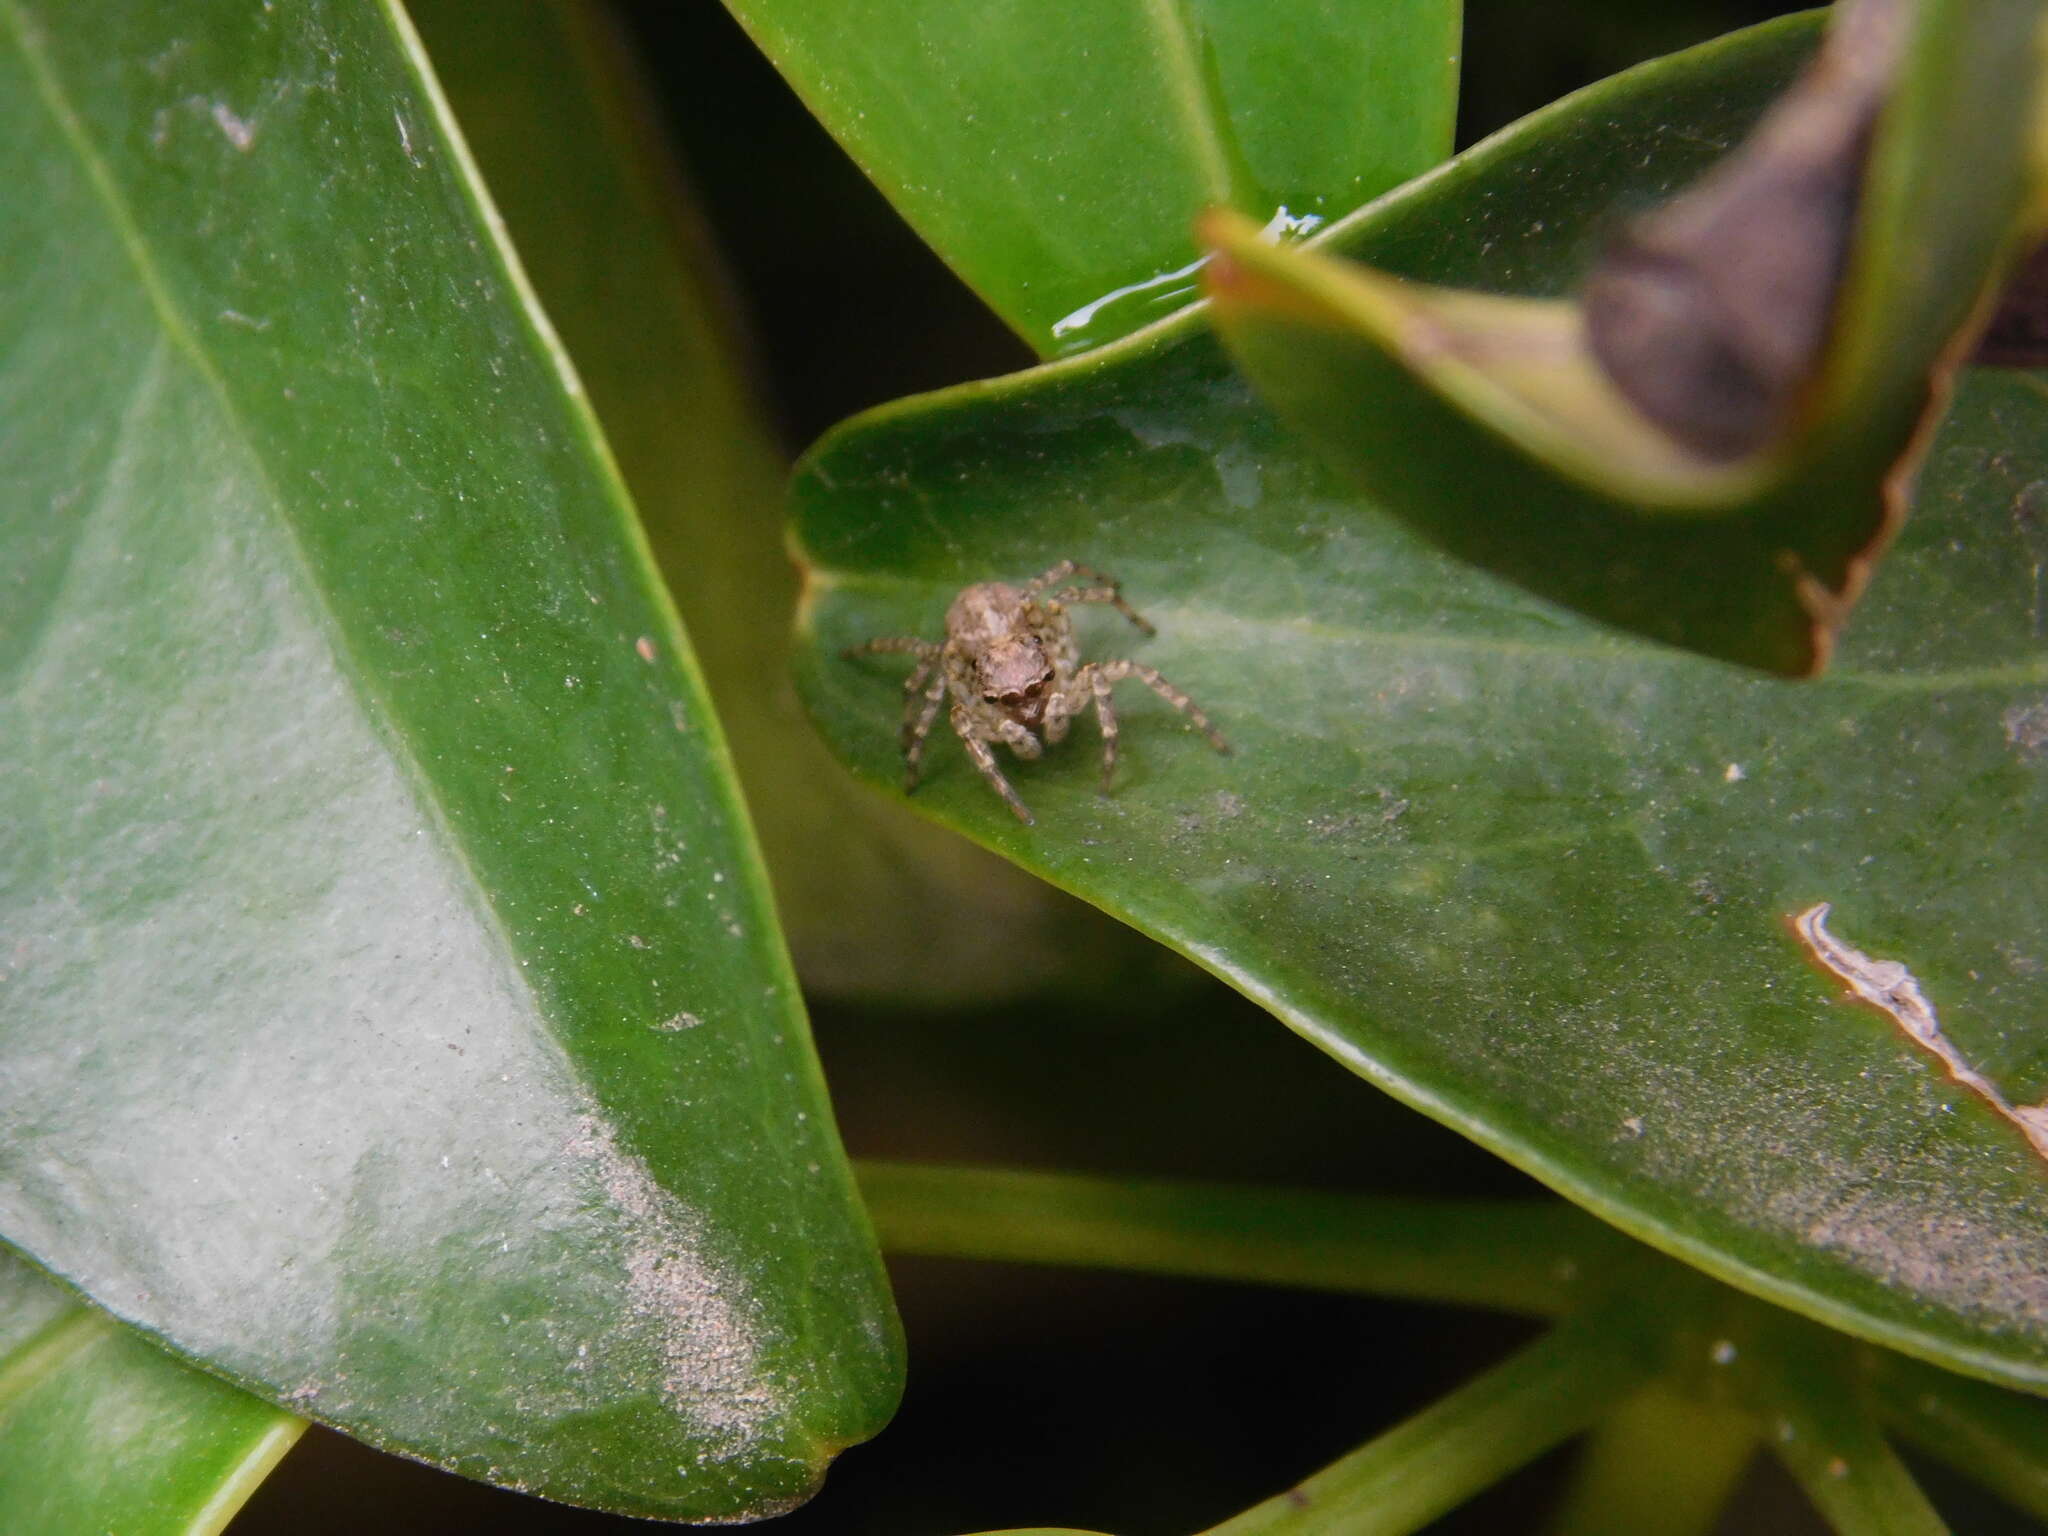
(1046, 1396)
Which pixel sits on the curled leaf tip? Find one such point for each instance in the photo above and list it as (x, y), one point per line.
(1713, 439)
(1712, 312)
(1233, 276)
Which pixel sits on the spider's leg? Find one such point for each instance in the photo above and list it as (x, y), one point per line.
(1062, 571)
(1055, 574)
(1020, 740)
(1060, 710)
(918, 674)
(923, 650)
(918, 726)
(1107, 589)
(1116, 671)
(985, 760)
(1112, 595)
(1105, 716)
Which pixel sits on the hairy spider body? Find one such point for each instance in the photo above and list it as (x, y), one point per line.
(1011, 672)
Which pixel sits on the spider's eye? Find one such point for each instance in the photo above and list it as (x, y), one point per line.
(1013, 672)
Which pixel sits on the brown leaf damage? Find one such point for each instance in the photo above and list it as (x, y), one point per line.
(1888, 986)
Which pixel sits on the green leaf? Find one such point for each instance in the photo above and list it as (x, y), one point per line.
(1539, 467)
(1530, 876)
(875, 901)
(100, 1431)
(394, 1017)
(1058, 158)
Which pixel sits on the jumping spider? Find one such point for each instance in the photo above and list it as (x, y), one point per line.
(1009, 663)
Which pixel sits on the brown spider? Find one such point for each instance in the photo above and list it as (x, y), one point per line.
(1009, 662)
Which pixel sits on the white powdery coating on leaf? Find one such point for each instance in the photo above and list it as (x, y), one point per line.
(707, 1325)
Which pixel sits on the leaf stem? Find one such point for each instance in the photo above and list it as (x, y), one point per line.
(1516, 1256)
(1824, 1434)
(1416, 1471)
(1995, 1437)
(1660, 1462)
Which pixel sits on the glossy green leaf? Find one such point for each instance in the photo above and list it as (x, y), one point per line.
(1057, 157)
(100, 1431)
(868, 894)
(1531, 876)
(1540, 469)
(393, 1016)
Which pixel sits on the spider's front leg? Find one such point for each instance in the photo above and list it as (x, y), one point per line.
(985, 760)
(1060, 711)
(1018, 739)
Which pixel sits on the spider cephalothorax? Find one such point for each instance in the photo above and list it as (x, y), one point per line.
(1011, 645)
(1009, 665)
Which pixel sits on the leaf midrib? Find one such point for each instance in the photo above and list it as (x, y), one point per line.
(1208, 134)
(1188, 619)
(65, 1343)
(48, 1350)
